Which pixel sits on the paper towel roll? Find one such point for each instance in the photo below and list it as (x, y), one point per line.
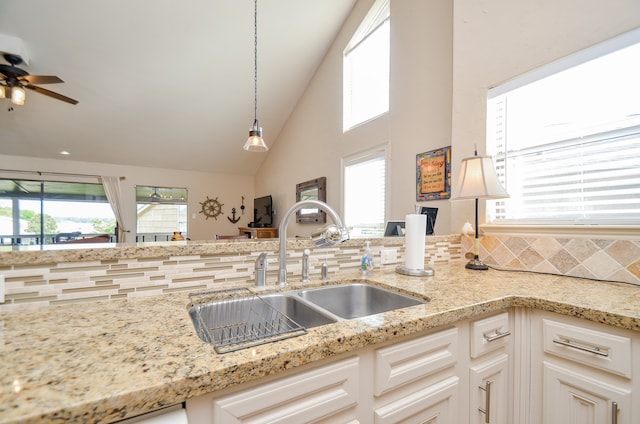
(414, 235)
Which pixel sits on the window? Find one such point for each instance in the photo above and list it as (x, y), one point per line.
(566, 139)
(46, 212)
(160, 212)
(366, 68)
(364, 188)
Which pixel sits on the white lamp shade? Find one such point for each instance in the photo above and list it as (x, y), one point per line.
(478, 180)
(3, 92)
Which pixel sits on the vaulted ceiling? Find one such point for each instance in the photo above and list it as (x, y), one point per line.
(161, 83)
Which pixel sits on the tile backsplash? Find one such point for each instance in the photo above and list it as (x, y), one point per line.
(97, 277)
(597, 258)
(86, 278)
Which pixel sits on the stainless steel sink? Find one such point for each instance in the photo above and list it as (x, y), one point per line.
(223, 316)
(298, 311)
(357, 300)
(235, 319)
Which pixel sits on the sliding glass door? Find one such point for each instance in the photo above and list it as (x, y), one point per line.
(47, 212)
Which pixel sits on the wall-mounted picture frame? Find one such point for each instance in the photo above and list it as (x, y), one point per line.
(433, 174)
(315, 189)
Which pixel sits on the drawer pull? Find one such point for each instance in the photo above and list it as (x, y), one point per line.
(590, 349)
(487, 402)
(497, 335)
(614, 412)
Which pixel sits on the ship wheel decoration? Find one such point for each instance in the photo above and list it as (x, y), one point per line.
(211, 208)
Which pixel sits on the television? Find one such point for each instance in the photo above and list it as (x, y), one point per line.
(262, 212)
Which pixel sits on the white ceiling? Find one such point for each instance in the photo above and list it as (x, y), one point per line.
(162, 83)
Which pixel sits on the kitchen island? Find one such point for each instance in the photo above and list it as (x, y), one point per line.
(105, 361)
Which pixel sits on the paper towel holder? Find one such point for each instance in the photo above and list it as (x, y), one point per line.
(427, 272)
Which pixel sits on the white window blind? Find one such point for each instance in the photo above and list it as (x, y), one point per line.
(366, 68)
(567, 146)
(364, 194)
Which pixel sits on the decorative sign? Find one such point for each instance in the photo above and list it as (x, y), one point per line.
(433, 174)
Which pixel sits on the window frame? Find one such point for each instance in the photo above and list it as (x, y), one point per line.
(143, 201)
(630, 230)
(58, 194)
(381, 151)
(379, 14)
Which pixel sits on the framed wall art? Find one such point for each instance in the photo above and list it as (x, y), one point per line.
(433, 174)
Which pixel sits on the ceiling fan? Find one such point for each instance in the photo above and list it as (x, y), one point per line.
(14, 80)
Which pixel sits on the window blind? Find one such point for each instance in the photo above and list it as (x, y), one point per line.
(595, 180)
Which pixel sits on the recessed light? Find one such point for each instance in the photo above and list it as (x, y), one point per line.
(64, 152)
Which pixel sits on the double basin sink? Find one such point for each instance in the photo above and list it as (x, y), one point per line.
(324, 305)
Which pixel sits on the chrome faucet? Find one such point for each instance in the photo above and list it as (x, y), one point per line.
(327, 236)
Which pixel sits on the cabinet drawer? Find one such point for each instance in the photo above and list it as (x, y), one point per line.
(405, 362)
(489, 334)
(588, 346)
(306, 397)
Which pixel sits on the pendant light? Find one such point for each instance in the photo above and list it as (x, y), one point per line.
(255, 142)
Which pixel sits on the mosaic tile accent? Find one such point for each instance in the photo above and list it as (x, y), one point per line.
(595, 258)
(76, 281)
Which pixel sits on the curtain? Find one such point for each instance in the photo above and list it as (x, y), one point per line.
(114, 195)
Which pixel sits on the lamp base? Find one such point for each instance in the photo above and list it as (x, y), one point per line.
(476, 264)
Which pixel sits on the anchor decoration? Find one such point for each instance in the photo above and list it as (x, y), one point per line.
(234, 219)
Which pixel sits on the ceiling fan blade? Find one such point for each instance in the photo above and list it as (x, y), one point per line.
(41, 79)
(51, 94)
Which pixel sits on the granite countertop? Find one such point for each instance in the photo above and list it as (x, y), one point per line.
(105, 361)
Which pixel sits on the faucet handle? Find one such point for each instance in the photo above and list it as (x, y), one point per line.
(261, 270)
(305, 266)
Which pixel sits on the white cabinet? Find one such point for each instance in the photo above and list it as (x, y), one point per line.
(583, 372)
(434, 404)
(574, 397)
(519, 366)
(415, 381)
(490, 376)
(327, 394)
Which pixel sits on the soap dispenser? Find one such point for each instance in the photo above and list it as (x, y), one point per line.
(367, 259)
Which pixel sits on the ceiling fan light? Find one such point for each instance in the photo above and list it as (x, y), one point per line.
(18, 96)
(3, 92)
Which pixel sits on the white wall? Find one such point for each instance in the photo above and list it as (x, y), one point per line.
(445, 55)
(229, 189)
(312, 143)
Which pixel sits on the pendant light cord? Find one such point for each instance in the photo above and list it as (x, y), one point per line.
(255, 62)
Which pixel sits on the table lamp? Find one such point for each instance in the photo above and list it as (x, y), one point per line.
(478, 180)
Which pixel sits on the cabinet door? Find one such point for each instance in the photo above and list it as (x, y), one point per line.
(573, 398)
(435, 404)
(489, 391)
